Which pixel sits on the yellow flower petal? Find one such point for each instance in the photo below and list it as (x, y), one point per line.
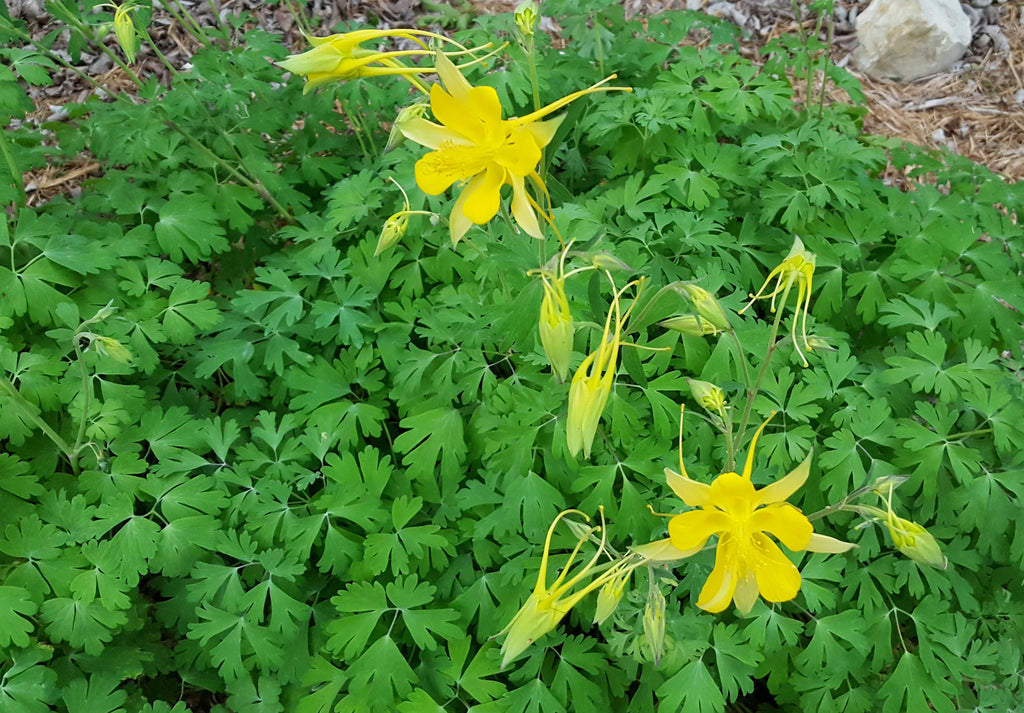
(692, 529)
(721, 584)
(828, 545)
(691, 492)
(782, 489)
(484, 200)
(522, 210)
(777, 577)
(785, 522)
(745, 596)
(427, 133)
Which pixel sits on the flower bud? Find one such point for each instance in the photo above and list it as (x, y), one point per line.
(414, 111)
(113, 348)
(707, 306)
(689, 324)
(709, 396)
(607, 261)
(526, 16)
(609, 596)
(393, 230)
(915, 542)
(654, 625)
(555, 327)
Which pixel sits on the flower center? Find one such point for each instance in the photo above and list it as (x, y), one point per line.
(456, 162)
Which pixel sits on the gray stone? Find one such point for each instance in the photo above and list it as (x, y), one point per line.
(909, 39)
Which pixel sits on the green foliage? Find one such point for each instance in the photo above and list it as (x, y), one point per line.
(322, 479)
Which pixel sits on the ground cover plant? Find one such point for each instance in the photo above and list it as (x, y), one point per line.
(355, 381)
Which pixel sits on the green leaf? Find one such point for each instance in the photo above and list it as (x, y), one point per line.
(99, 695)
(381, 676)
(692, 690)
(189, 229)
(910, 688)
(26, 686)
(14, 629)
(84, 625)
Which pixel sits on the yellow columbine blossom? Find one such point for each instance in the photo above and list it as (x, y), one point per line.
(555, 326)
(124, 28)
(747, 561)
(592, 383)
(798, 269)
(546, 606)
(339, 57)
(473, 143)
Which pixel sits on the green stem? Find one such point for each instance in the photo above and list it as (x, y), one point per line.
(16, 177)
(730, 443)
(825, 59)
(967, 434)
(752, 389)
(597, 42)
(28, 412)
(86, 403)
(254, 185)
(531, 54)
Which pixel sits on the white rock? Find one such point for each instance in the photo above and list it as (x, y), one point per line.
(908, 39)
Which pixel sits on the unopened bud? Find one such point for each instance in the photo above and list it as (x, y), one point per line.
(706, 305)
(124, 30)
(915, 542)
(689, 324)
(556, 328)
(609, 596)
(393, 230)
(654, 625)
(607, 261)
(396, 137)
(526, 17)
(709, 396)
(113, 348)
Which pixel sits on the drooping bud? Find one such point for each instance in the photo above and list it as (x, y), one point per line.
(393, 230)
(706, 305)
(915, 542)
(124, 30)
(610, 595)
(689, 324)
(413, 111)
(113, 348)
(556, 328)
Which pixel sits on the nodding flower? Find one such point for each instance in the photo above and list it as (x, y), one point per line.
(546, 606)
(592, 383)
(797, 269)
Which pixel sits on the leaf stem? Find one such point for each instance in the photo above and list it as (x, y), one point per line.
(28, 412)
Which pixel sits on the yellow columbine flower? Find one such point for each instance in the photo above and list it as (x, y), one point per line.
(555, 326)
(592, 383)
(473, 143)
(124, 28)
(798, 269)
(339, 57)
(546, 606)
(747, 561)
